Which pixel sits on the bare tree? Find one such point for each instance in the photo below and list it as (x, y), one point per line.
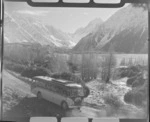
(71, 64)
(130, 62)
(89, 67)
(123, 62)
(108, 65)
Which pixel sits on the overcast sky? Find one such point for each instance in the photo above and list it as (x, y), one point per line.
(66, 19)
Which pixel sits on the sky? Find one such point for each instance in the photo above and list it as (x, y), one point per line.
(65, 19)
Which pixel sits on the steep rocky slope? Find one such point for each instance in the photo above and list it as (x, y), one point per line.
(127, 30)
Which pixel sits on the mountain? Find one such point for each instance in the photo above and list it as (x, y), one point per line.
(82, 32)
(127, 30)
(24, 28)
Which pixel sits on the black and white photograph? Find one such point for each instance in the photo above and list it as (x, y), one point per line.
(75, 62)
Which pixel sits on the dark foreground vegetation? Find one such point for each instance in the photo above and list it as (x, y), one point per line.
(138, 81)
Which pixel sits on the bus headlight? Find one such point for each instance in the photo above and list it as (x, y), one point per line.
(70, 101)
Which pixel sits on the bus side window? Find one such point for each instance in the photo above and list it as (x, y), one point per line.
(68, 93)
(46, 86)
(53, 88)
(50, 87)
(59, 90)
(65, 92)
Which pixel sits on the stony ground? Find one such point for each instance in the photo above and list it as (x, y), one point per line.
(98, 90)
(118, 88)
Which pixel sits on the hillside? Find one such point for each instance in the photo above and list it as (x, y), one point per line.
(27, 29)
(84, 31)
(126, 30)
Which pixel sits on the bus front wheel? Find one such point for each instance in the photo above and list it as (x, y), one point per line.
(64, 105)
(39, 95)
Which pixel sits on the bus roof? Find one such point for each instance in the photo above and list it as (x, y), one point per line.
(43, 78)
(74, 85)
(59, 81)
(121, 67)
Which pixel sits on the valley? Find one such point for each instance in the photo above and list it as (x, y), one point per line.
(109, 57)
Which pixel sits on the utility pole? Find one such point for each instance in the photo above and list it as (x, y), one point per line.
(148, 54)
(1, 55)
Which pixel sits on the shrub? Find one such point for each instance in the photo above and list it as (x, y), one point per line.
(135, 68)
(123, 72)
(131, 80)
(31, 72)
(137, 96)
(18, 68)
(138, 82)
(72, 67)
(134, 97)
(113, 101)
(130, 71)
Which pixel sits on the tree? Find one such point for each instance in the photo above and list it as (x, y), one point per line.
(89, 67)
(130, 62)
(72, 67)
(71, 64)
(108, 65)
(123, 62)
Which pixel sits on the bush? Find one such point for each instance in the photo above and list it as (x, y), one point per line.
(31, 72)
(113, 101)
(138, 82)
(131, 80)
(123, 72)
(136, 68)
(137, 96)
(72, 67)
(130, 71)
(18, 68)
(134, 97)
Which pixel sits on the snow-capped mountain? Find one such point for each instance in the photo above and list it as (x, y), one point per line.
(28, 29)
(127, 30)
(25, 28)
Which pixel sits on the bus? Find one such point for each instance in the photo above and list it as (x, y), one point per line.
(61, 92)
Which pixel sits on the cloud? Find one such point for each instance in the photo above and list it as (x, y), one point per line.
(36, 13)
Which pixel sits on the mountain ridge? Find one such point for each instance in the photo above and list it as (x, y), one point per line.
(127, 28)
